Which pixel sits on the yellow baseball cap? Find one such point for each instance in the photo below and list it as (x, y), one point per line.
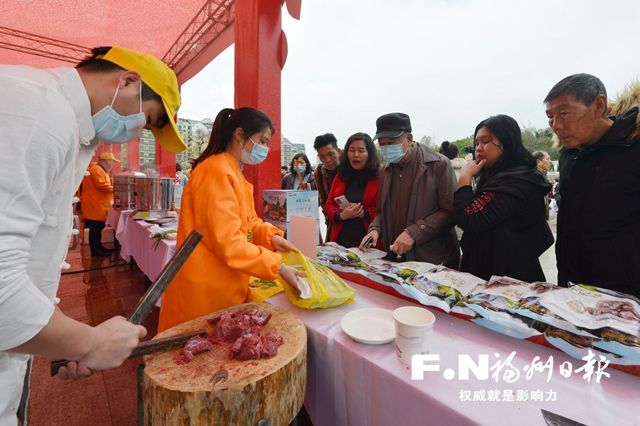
(108, 156)
(162, 80)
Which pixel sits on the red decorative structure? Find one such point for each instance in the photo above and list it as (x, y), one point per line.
(133, 155)
(191, 36)
(34, 44)
(206, 36)
(259, 58)
(165, 162)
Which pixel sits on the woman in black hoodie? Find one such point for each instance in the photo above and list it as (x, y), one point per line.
(505, 230)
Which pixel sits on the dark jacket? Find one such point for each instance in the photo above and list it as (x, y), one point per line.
(599, 221)
(323, 179)
(369, 203)
(504, 224)
(288, 181)
(430, 213)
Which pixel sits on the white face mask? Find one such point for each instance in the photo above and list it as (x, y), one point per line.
(112, 127)
(393, 153)
(257, 155)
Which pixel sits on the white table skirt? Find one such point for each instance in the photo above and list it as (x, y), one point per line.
(350, 383)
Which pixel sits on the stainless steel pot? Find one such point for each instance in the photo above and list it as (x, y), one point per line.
(124, 192)
(154, 194)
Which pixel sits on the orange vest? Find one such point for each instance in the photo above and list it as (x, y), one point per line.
(96, 193)
(218, 202)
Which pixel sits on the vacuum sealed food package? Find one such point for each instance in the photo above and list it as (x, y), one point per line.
(496, 303)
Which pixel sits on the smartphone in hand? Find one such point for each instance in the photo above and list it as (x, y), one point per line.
(341, 201)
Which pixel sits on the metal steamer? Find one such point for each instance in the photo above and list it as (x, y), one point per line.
(153, 194)
(124, 192)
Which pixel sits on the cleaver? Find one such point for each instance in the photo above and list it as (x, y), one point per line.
(153, 293)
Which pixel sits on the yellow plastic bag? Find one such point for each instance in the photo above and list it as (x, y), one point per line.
(328, 289)
(260, 290)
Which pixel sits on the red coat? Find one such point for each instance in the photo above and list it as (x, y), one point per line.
(369, 202)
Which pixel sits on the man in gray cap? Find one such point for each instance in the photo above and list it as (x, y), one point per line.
(415, 200)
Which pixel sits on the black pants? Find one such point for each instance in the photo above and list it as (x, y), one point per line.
(95, 234)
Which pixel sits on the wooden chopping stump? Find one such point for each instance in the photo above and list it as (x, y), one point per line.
(215, 389)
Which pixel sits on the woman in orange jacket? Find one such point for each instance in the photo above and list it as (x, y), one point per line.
(218, 202)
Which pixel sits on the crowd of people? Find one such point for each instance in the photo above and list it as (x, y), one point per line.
(500, 198)
(400, 196)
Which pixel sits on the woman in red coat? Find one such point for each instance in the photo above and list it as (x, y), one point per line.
(353, 199)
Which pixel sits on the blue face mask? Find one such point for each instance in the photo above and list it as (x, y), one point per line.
(257, 155)
(112, 127)
(392, 153)
(300, 169)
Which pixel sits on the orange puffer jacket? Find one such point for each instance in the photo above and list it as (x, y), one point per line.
(236, 244)
(96, 193)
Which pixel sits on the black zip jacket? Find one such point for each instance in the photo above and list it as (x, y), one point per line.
(599, 220)
(504, 224)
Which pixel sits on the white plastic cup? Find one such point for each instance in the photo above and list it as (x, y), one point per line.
(414, 327)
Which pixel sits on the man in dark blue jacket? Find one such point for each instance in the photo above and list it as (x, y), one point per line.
(598, 239)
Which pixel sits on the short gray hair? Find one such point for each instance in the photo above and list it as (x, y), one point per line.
(584, 87)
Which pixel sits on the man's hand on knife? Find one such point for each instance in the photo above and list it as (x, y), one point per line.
(110, 344)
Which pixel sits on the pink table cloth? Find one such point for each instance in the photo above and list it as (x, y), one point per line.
(135, 242)
(113, 218)
(350, 383)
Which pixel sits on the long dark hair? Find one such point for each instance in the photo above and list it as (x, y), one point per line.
(307, 163)
(514, 153)
(372, 166)
(250, 120)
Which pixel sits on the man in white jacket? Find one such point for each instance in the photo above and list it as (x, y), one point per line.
(51, 121)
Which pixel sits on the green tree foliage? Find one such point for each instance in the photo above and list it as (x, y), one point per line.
(539, 140)
(462, 144)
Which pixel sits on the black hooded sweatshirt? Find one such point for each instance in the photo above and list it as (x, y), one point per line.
(599, 221)
(504, 224)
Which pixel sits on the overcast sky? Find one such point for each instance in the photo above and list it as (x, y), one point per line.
(448, 64)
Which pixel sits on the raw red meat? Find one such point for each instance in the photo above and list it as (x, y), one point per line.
(253, 317)
(270, 343)
(252, 346)
(242, 329)
(231, 327)
(260, 317)
(194, 346)
(247, 347)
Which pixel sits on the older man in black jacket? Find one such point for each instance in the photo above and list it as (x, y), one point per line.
(598, 239)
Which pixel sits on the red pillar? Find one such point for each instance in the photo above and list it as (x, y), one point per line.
(259, 57)
(133, 155)
(165, 162)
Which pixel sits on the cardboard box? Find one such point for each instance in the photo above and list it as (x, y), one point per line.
(279, 205)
